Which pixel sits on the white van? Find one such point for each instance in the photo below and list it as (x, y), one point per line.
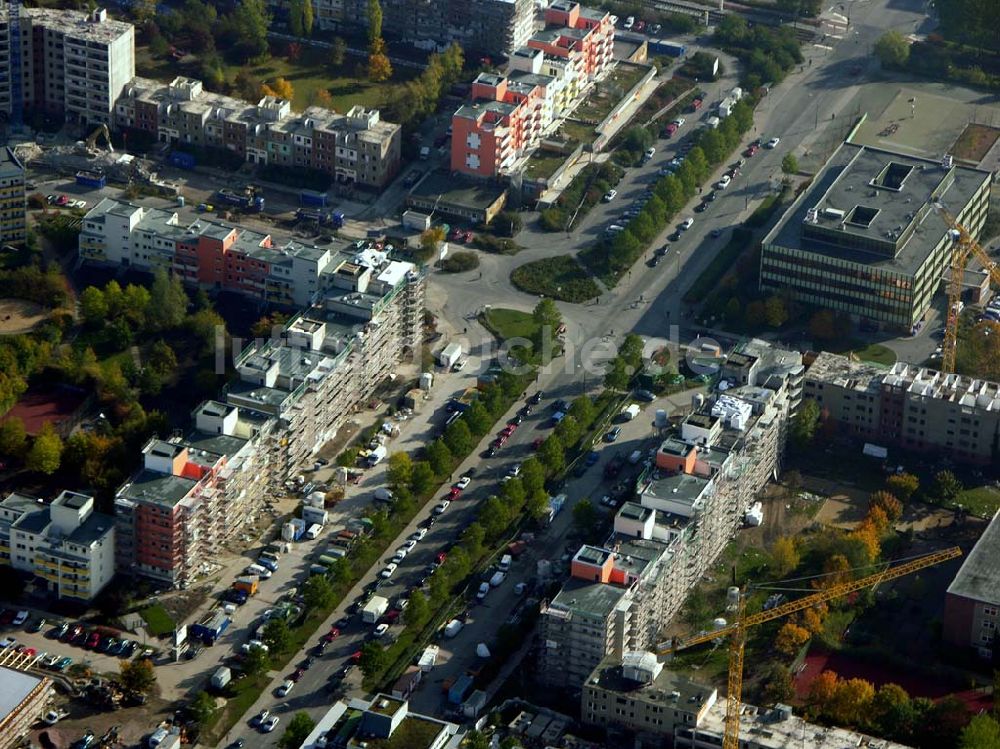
(313, 531)
(505, 561)
(497, 580)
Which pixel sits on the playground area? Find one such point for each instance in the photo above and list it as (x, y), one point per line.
(20, 316)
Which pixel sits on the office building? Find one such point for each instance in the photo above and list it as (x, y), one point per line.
(508, 115)
(776, 728)
(25, 700)
(691, 499)
(492, 27)
(13, 201)
(635, 693)
(915, 408)
(73, 64)
(383, 722)
(66, 545)
(356, 148)
(972, 603)
(865, 238)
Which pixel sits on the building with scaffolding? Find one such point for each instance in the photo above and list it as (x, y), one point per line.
(25, 698)
(691, 499)
(13, 200)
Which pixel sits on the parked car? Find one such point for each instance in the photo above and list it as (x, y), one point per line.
(20, 618)
(381, 629)
(608, 197)
(440, 507)
(723, 183)
(463, 482)
(613, 434)
(686, 224)
(390, 568)
(773, 143)
(270, 724)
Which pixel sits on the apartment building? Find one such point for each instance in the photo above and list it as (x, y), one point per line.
(207, 253)
(380, 723)
(333, 356)
(73, 64)
(635, 693)
(776, 728)
(972, 603)
(508, 115)
(494, 27)
(193, 494)
(13, 200)
(690, 501)
(866, 238)
(355, 148)
(914, 408)
(65, 544)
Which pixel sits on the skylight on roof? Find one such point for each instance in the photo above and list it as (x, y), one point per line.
(892, 176)
(862, 216)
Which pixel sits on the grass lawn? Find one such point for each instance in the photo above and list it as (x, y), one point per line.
(543, 164)
(510, 323)
(877, 354)
(308, 75)
(975, 141)
(560, 277)
(581, 132)
(158, 621)
(983, 501)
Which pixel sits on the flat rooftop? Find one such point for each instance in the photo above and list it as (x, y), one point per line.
(76, 24)
(979, 576)
(843, 372)
(679, 487)
(15, 686)
(159, 488)
(588, 599)
(457, 191)
(691, 695)
(874, 207)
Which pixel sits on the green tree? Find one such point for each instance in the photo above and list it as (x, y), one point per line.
(585, 517)
(892, 711)
(168, 300)
(892, 49)
(13, 438)
(418, 611)
(582, 409)
(631, 351)
(552, 454)
(790, 164)
(341, 572)
(422, 477)
(256, 662)
(374, 659)
(478, 418)
(983, 732)
(93, 306)
(277, 635)
(513, 491)
(308, 19)
(617, 376)
(318, 593)
(458, 438)
(298, 730)
(507, 223)
(775, 311)
(476, 740)
(46, 452)
(295, 9)
(804, 423)
(494, 518)
(473, 538)
(250, 22)
(162, 358)
(439, 457)
(203, 708)
(532, 475)
(903, 486)
(946, 487)
(136, 676)
(568, 431)
(374, 22)
(338, 52)
(547, 319)
(399, 471)
(778, 685)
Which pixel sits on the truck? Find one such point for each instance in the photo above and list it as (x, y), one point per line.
(318, 515)
(313, 198)
(663, 47)
(181, 159)
(221, 678)
(377, 455)
(249, 583)
(86, 178)
(458, 691)
(313, 531)
(428, 658)
(449, 355)
(298, 528)
(374, 609)
(247, 200)
(332, 219)
(726, 107)
(211, 628)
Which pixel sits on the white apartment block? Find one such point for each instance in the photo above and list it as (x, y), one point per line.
(65, 544)
(73, 64)
(690, 502)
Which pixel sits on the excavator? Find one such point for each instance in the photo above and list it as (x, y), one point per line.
(91, 143)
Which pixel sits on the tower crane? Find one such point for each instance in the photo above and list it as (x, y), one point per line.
(965, 247)
(737, 632)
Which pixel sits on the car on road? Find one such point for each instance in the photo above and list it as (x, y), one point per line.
(409, 545)
(653, 261)
(400, 555)
(93, 640)
(463, 482)
(751, 150)
(686, 224)
(674, 237)
(270, 724)
(679, 122)
(8, 642)
(773, 143)
(723, 183)
(701, 207)
(386, 573)
(440, 557)
(484, 589)
(259, 718)
(610, 195)
(668, 132)
(64, 663)
(535, 399)
(613, 434)
(297, 674)
(56, 633)
(418, 534)
(645, 395)
(629, 23)
(710, 198)
(440, 507)
(640, 25)
(62, 200)
(696, 104)
(36, 626)
(21, 618)
(650, 153)
(380, 630)
(238, 744)
(514, 470)
(285, 688)
(655, 29)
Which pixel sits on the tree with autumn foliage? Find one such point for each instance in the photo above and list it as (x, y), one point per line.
(791, 637)
(811, 618)
(888, 503)
(822, 690)
(852, 700)
(281, 89)
(784, 556)
(379, 67)
(836, 570)
(902, 485)
(868, 534)
(878, 518)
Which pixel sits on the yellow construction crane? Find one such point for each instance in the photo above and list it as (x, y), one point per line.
(965, 247)
(737, 632)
